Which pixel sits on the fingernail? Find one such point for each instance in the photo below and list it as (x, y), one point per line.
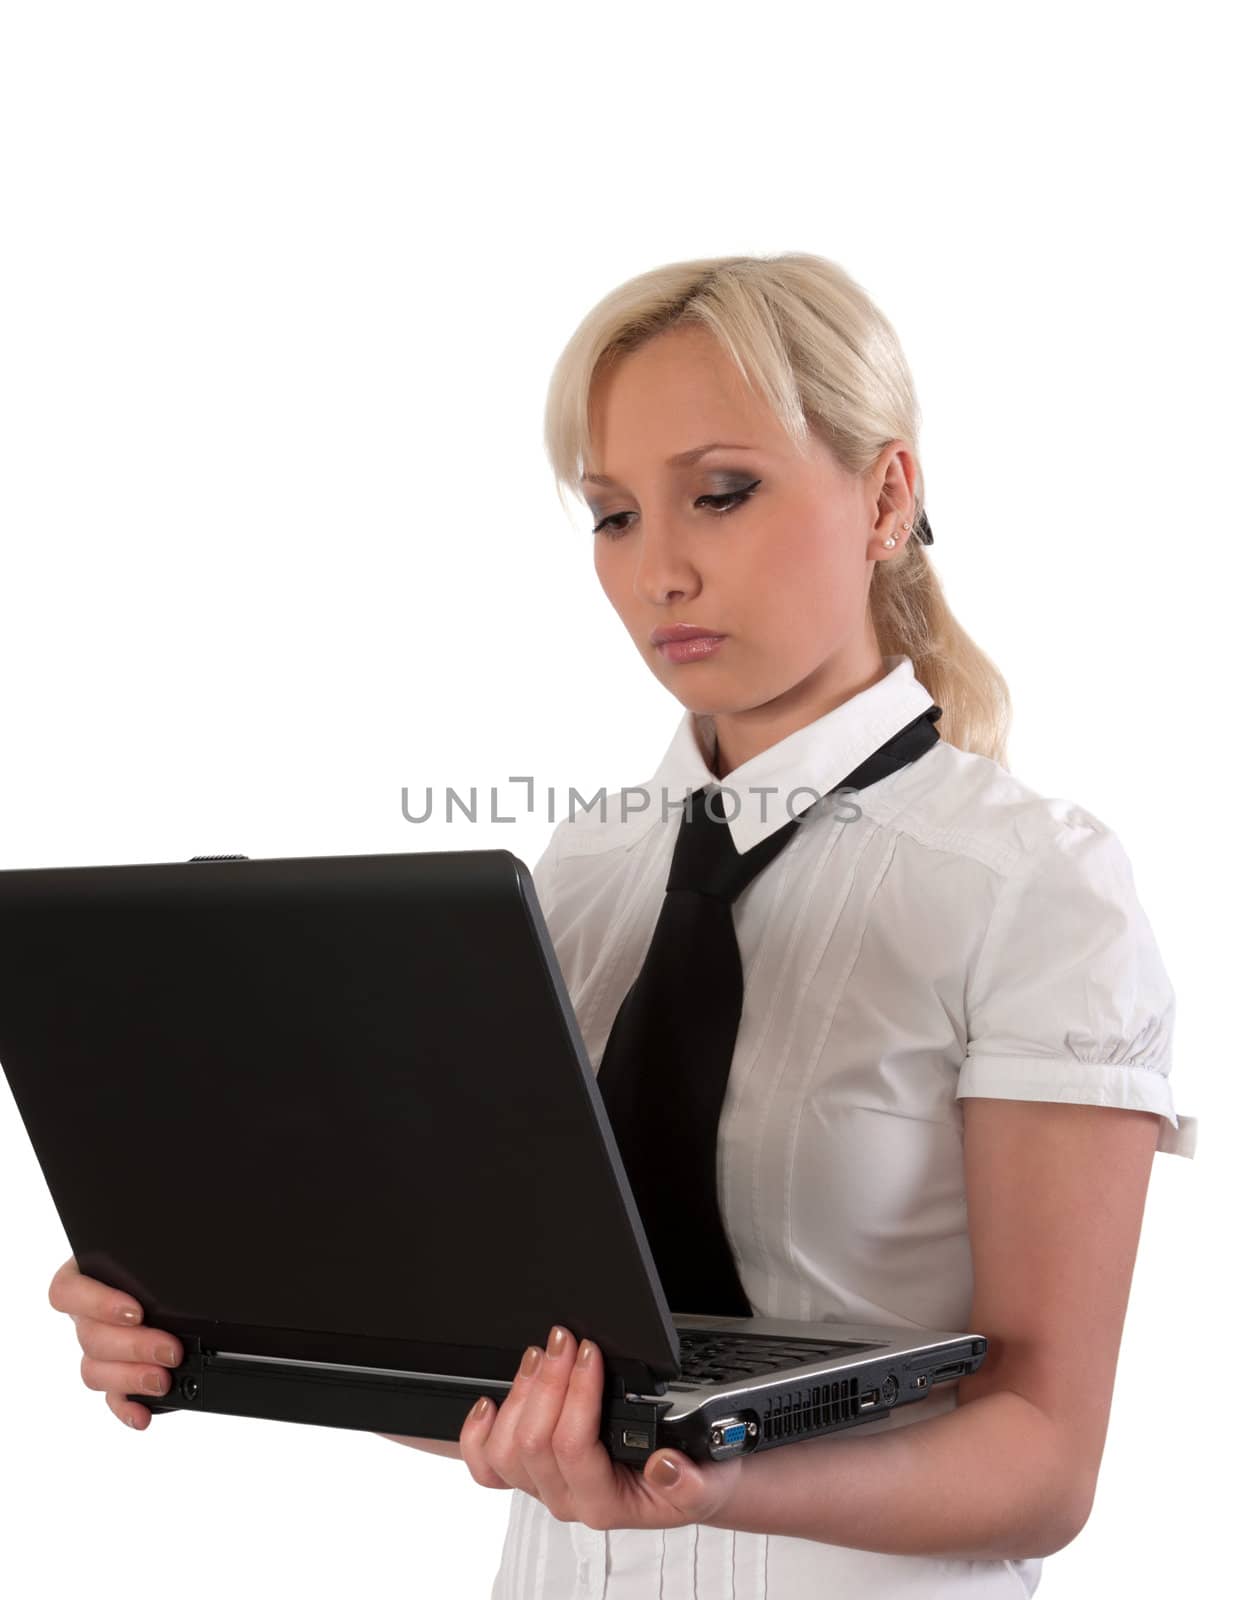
(664, 1472)
(557, 1342)
(586, 1353)
(128, 1314)
(168, 1355)
(154, 1383)
(480, 1411)
(532, 1357)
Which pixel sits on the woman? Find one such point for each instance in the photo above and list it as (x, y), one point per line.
(950, 1071)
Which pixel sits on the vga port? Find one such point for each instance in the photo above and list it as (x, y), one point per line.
(732, 1435)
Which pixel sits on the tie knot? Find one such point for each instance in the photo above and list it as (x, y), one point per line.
(706, 860)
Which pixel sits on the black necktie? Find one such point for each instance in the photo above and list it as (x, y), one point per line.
(664, 1071)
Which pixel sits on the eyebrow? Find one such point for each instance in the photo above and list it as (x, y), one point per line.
(683, 459)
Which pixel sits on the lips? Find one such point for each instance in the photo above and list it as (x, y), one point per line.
(695, 647)
(678, 632)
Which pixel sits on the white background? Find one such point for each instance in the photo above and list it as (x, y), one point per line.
(282, 288)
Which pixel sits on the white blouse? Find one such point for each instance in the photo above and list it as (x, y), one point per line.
(944, 932)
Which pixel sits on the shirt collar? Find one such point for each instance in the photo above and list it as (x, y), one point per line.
(776, 785)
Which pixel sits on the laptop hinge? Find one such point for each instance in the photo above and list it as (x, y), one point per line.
(629, 1377)
(632, 1377)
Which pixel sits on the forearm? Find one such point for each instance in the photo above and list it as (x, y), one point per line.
(987, 1481)
(435, 1447)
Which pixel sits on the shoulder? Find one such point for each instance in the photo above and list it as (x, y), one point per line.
(585, 843)
(604, 820)
(951, 803)
(955, 802)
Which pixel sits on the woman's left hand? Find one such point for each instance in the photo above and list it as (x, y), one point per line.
(545, 1438)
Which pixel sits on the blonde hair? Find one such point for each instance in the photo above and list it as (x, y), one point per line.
(827, 361)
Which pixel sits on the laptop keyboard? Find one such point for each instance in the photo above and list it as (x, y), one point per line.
(708, 1358)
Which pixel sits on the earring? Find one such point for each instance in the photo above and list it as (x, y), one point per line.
(889, 543)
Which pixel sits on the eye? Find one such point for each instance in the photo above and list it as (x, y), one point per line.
(721, 504)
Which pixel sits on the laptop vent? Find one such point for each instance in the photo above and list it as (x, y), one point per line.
(803, 1410)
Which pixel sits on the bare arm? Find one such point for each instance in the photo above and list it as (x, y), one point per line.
(1055, 1201)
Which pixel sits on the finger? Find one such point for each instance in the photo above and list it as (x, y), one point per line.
(681, 1491)
(124, 1377)
(538, 1416)
(498, 1447)
(105, 1343)
(473, 1438)
(73, 1292)
(581, 1456)
(128, 1411)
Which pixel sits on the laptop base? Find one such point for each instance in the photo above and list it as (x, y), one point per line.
(706, 1422)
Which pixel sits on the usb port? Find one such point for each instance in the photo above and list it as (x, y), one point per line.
(635, 1439)
(869, 1400)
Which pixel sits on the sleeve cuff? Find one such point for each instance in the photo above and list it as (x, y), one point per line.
(1065, 1079)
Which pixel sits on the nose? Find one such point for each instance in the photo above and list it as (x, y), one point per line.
(664, 567)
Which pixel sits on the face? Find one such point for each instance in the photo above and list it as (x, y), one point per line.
(771, 550)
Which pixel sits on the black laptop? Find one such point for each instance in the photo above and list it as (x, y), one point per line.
(331, 1121)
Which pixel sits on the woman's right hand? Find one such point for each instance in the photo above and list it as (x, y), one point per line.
(119, 1355)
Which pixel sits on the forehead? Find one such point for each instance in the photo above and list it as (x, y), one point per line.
(669, 402)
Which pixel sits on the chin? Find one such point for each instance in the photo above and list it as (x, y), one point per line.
(714, 703)
(728, 699)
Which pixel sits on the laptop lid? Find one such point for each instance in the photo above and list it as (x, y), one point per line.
(330, 1108)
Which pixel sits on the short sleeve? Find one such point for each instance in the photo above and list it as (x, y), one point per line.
(1069, 999)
